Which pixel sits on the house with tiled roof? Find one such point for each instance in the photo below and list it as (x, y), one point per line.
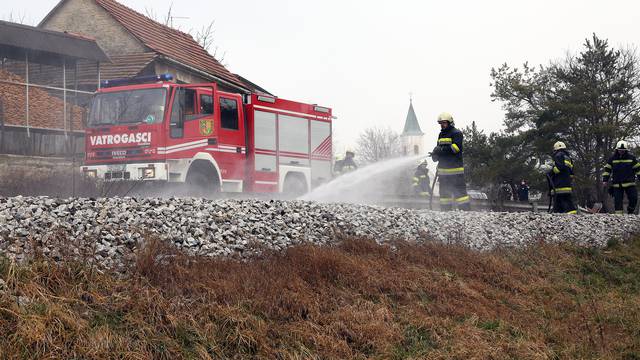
(138, 45)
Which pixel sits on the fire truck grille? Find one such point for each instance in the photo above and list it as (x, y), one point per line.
(117, 175)
(119, 153)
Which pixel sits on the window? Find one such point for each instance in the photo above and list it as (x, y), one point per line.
(128, 107)
(206, 104)
(228, 113)
(264, 130)
(189, 102)
(293, 134)
(189, 109)
(178, 112)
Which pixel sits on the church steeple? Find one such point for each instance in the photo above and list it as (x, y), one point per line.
(411, 126)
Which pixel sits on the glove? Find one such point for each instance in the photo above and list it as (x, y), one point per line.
(434, 154)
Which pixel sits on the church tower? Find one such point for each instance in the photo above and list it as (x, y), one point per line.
(412, 136)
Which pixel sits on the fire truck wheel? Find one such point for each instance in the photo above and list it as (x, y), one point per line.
(202, 183)
(294, 185)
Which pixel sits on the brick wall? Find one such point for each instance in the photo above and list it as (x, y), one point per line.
(45, 110)
(87, 17)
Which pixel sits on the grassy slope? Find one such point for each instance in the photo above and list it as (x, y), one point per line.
(356, 300)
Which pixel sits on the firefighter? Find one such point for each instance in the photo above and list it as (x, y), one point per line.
(523, 191)
(561, 178)
(345, 165)
(421, 182)
(448, 154)
(620, 174)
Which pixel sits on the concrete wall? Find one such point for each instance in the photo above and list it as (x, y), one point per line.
(38, 167)
(87, 17)
(178, 75)
(185, 76)
(37, 176)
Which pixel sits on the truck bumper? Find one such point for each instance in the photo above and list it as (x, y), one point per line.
(128, 172)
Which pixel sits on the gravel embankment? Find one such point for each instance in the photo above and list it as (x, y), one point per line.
(109, 230)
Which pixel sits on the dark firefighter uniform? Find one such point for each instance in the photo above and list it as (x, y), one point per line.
(421, 181)
(620, 172)
(562, 178)
(448, 154)
(345, 165)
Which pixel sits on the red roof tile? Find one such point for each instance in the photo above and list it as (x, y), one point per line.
(121, 66)
(124, 66)
(169, 42)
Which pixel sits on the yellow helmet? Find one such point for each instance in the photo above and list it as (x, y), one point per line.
(559, 145)
(622, 145)
(445, 117)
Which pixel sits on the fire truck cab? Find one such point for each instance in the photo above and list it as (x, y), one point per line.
(208, 139)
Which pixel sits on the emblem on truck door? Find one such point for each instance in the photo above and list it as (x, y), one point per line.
(206, 127)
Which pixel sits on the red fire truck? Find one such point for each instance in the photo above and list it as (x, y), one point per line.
(154, 130)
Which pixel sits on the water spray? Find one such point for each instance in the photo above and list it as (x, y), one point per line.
(366, 185)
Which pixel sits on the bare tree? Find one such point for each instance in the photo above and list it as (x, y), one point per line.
(16, 18)
(203, 36)
(166, 20)
(377, 144)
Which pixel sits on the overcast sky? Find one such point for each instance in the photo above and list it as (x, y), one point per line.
(363, 58)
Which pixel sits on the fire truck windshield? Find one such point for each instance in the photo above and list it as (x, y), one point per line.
(128, 107)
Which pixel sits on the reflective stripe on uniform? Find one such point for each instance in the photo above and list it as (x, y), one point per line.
(463, 199)
(416, 179)
(622, 161)
(562, 190)
(445, 141)
(423, 176)
(424, 193)
(556, 170)
(568, 163)
(619, 212)
(572, 212)
(607, 166)
(455, 148)
(446, 201)
(606, 174)
(453, 171)
(637, 165)
(624, 185)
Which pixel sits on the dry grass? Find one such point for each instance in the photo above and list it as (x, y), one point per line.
(59, 183)
(353, 301)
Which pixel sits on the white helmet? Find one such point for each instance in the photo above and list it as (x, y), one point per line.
(445, 117)
(559, 146)
(421, 161)
(622, 145)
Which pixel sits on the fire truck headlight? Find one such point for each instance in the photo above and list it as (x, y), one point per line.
(91, 173)
(148, 173)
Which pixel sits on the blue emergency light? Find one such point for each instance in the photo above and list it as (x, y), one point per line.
(136, 80)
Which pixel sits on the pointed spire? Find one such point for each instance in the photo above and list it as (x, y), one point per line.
(411, 126)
